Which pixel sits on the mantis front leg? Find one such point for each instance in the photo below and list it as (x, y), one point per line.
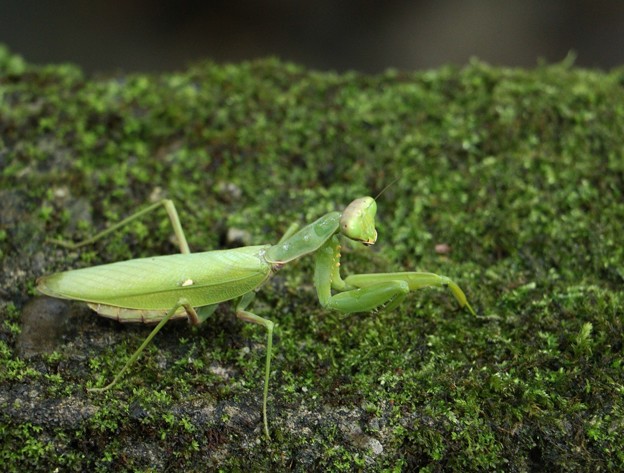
(364, 292)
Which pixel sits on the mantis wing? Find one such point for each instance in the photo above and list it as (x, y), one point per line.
(159, 282)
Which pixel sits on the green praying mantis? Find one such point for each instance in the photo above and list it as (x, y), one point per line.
(191, 285)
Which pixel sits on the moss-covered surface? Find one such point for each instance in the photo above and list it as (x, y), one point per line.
(509, 181)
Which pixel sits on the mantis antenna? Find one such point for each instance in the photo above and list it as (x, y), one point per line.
(386, 188)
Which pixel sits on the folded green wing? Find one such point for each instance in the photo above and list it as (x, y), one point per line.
(159, 282)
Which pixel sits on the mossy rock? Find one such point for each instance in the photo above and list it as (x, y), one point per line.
(509, 181)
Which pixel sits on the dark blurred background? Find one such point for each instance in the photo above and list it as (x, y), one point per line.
(365, 35)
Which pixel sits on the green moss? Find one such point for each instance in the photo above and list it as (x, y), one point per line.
(517, 174)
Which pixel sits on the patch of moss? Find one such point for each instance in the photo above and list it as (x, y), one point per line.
(515, 175)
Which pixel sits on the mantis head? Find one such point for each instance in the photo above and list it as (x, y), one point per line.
(358, 221)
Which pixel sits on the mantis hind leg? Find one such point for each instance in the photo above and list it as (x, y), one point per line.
(193, 317)
(173, 217)
(247, 316)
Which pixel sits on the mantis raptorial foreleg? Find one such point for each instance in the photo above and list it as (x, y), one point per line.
(242, 314)
(171, 211)
(364, 292)
(414, 280)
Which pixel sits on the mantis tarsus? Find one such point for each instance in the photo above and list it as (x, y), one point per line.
(191, 285)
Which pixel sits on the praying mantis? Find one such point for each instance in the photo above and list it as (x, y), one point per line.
(191, 285)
